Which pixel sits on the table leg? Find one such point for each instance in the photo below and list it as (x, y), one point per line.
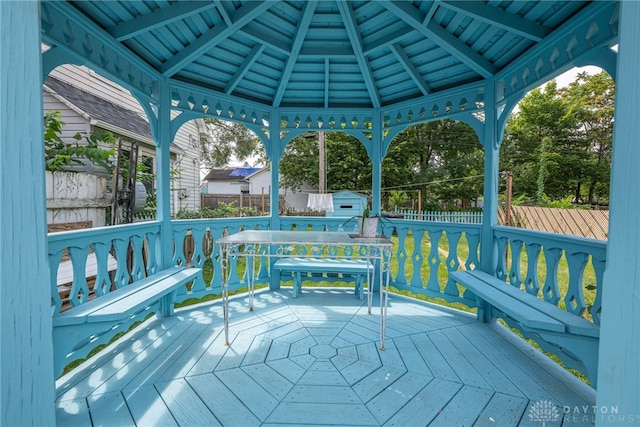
(224, 260)
(370, 277)
(383, 302)
(251, 258)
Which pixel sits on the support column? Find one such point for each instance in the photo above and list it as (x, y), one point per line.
(275, 151)
(377, 154)
(618, 367)
(163, 168)
(490, 142)
(26, 360)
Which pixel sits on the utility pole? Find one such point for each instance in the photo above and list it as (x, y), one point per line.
(507, 212)
(322, 168)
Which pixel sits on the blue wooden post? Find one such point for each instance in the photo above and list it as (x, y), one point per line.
(26, 362)
(275, 152)
(490, 141)
(377, 154)
(618, 369)
(163, 138)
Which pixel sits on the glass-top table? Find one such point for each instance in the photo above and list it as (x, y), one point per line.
(312, 244)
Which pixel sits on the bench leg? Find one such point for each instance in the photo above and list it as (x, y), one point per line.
(297, 284)
(360, 286)
(577, 352)
(166, 304)
(484, 310)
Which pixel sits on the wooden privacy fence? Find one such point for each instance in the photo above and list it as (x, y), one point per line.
(259, 202)
(76, 198)
(593, 224)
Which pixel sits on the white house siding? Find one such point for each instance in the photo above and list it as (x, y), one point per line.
(223, 187)
(261, 180)
(74, 122)
(187, 161)
(92, 82)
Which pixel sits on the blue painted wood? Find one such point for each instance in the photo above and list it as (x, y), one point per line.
(572, 338)
(226, 407)
(26, 368)
(349, 269)
(556, 247)
(147, 407)
(620, 336)
(184, 404)
(79, 326)
(490, 49)
(152, 369)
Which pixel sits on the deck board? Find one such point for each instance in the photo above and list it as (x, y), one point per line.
(502, 411)
(315, 360)
(148, 408)
(110, 409)
(184, 404)
(229, 410)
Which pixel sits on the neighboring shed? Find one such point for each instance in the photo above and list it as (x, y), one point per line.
(348, 204)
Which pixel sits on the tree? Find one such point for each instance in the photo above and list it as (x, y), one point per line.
(576, 126)
(445, 156)
(543, 114)
(224, 140)
(96, 147)
(593, 98)
(348, 166)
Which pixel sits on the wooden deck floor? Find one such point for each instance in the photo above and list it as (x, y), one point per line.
(314, 360)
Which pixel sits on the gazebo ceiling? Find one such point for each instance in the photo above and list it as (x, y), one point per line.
(328, 53)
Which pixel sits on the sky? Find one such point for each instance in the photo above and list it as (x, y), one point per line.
(570, 76)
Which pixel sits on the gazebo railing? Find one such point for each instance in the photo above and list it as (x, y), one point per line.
(566, 271)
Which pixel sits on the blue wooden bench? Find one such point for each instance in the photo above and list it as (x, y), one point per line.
(328, 268)
(573, 339)
(111, 313)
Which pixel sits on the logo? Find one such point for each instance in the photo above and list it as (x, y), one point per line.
(543, 411)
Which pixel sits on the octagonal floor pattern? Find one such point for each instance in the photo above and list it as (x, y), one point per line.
(314, 360)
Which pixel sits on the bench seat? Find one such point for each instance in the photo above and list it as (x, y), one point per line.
(573, 339)
(82, 324)
(355, 269)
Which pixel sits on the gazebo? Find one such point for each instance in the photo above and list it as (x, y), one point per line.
(284, 68)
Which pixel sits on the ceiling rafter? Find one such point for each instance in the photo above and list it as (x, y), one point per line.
(222, 11)
(410, 68)
(495, 16)
(158, 18)
(356, 42)
(244, 68)
(242, 16)
(432, 11)
(413, 17)
(386, 41)
(261, 36)
(298, 39)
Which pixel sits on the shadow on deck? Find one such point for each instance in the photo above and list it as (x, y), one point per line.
(314, 360)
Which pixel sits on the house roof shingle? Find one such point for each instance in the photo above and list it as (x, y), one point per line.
(229, 174)
(100, 108)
